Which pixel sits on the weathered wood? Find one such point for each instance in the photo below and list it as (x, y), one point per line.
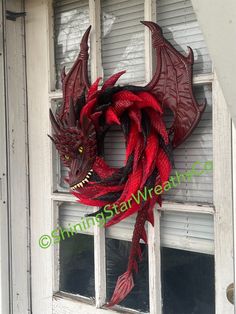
(17, 141)
(154, 261)
(38, 83)
(4, 205)
(234, 201)
(95, 47)
(222, 174)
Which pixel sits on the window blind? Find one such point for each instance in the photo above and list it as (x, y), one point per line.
(181, 28)
(71, 214)
(185, 231)
(71, 19)
(123, 39)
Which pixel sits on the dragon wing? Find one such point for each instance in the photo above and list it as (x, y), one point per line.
(76, 80)
(172, 85)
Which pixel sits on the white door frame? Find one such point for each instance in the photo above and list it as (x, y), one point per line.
(4, 258)
(15, 257)
(223, 195)
(234, 202)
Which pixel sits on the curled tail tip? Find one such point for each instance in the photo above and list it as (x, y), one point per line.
(124, 285)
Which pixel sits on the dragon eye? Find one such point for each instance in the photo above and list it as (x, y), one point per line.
(80, 149)
(66, 157)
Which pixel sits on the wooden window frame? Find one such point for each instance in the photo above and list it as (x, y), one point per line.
(43, 199)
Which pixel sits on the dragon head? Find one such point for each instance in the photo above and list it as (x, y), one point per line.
(76, 144)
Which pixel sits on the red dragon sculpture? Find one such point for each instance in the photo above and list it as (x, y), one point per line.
(87, 114)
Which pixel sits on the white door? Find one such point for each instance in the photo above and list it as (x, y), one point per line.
(188, 263)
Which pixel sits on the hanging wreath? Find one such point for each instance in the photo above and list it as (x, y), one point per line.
(88, 113)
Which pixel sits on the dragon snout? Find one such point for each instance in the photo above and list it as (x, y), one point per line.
(79, 176)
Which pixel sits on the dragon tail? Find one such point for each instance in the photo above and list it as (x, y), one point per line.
(125, 282)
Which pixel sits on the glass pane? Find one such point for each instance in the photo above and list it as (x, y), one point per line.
(187, 282)
(123, 39)
(71, 19)
(72, 218)
(64, 186)
(188, 231)
(114, 147)
(117, 255)
(181, 28)
(124, 229)
(194, 153)
(61, 171)
(77, 265)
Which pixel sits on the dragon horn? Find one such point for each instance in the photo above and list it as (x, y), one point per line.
(76, 80)
(84, 56)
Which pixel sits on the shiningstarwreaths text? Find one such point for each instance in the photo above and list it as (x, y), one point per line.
(198, 168)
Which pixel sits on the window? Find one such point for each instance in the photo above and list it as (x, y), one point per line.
(185, 226)
(122, 47)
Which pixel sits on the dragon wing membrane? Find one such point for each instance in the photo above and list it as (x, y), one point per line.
(76, 80)
(172, 86)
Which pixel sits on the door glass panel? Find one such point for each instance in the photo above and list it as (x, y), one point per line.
(187, 231)
(71, 19)
(187, 282)
(180, 26)
(77, 265)
(123, 39)
(60, 169)
(114, 147)
(117, 255)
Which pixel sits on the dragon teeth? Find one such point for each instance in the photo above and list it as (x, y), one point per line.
(86, 179)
